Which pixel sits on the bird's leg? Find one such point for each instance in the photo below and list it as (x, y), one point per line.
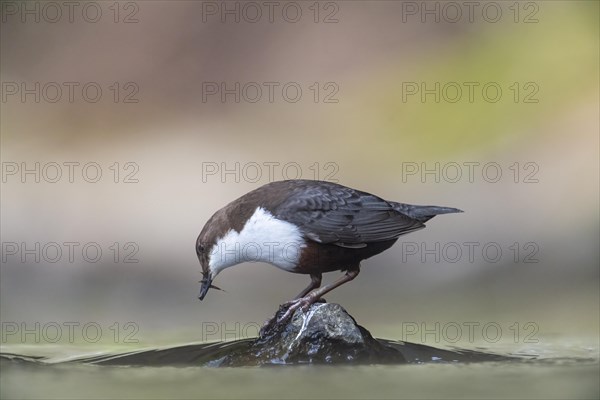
(315, 282)
(312, 297)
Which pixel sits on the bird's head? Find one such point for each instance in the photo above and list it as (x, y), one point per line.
(208, 255)
(203, 257)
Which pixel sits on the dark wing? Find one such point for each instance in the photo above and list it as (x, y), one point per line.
(343, 216)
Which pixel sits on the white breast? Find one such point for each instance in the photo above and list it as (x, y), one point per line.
(263, 238)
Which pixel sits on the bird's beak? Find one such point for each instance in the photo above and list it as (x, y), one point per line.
(206, 284)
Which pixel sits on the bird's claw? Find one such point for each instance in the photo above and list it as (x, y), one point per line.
(302, 303)
(290, 307)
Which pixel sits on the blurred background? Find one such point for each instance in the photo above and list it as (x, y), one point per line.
(372, 95)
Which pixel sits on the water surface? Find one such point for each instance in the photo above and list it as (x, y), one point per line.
(565, 369)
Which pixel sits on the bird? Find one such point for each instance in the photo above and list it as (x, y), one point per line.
(307, 227)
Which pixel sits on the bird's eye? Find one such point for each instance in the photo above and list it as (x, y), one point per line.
(201, 248)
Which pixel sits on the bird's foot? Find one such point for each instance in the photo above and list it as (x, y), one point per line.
(302, 303)
(290, 307)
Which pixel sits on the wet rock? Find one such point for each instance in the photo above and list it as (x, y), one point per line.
(324, 334)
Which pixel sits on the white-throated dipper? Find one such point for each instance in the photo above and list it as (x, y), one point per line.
(307, 227)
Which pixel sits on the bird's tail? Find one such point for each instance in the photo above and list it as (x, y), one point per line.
(423, 213)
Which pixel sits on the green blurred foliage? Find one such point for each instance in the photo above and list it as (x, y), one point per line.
(561, 63)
